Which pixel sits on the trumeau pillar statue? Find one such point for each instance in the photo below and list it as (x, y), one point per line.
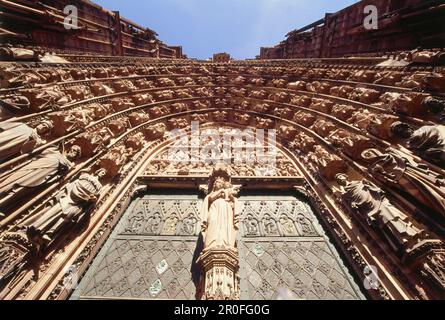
(219, 225)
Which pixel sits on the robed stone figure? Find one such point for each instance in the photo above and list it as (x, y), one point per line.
(70, 206)
(49, 166)
(368, 202)
(219, 219)
(17, 138)
(429, 143)
(418, 180)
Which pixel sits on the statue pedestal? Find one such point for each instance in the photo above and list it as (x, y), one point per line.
(219, 274)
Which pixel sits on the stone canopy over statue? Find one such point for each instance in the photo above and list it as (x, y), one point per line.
(219, 219)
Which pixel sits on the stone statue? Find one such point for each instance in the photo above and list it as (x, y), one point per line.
(351, 144)
(138, 117)
(364, 95)
(92, 142)
(16, 104)
(411, 104)
(341, 91)
(199, 117)
(44, 99)
(251, 226)
(135, 142)
(342, 111)
(369, 202)
(302, 101)
(115, 159)
(303, 142)
(156, 131)
(121, 104)
(189, 225)
(383, 125)
(18, 138)
(287, 132)
(44, 169)
(323, 127)
(220, 116)
(322, 105)
(65, 122)
(327, 163)
(401, 172)
(12, 78)
(219, 220)
(242, 118)
(304, 118)
(389, 78)
(262, 123)
(361, 118)
(288, 225)
(429, 143)
(434, 82)
(19, 54)
(70, 206)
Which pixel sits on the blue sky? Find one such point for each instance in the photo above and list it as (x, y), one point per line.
(239, 27)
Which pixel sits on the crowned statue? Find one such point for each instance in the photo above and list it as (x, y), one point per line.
(219, 225)
(219, 219)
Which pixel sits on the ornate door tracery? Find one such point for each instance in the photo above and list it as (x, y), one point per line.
(285, 252)
(151, 254)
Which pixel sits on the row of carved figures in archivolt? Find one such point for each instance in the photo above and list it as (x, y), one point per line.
(123, 94)
(14, 77)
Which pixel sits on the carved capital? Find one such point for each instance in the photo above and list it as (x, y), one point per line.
(219, 279)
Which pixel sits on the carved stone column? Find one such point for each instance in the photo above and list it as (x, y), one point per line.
(219, 277)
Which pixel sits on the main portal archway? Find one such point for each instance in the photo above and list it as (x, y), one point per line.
(284, 252)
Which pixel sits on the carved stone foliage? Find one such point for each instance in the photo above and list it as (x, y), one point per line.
(433, 268)
(13, 251)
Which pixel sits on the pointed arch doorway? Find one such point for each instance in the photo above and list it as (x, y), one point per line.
(284, 252)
